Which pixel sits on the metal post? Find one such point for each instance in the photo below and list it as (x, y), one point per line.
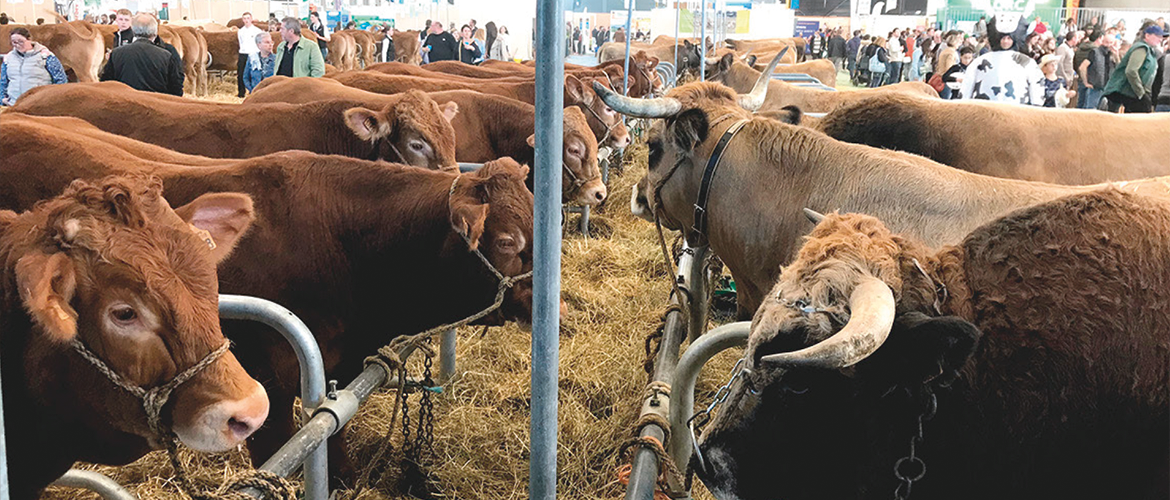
(682, 393)
(3, 453)
(583, 223)
(447, 342)
(629, 38)
(550, 87)
(95, 482)
(645, 466)
(703, 41)
(311, 366)
(699, 288)
(677, 20)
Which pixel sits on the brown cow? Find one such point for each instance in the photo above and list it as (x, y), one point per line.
(414, 129)
(406, 47)
(733, 73)
(1022, 142)
(643, 81)
(480, 135)
(78, 45)
(426, 71)
(336, 240)
(224, 47)
(140, 149)
(343, 51)
(366, 48)
(110, 270)
(821, 69)
(1039, 344)
(772, 170)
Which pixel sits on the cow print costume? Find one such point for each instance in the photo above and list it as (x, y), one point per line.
(1003, 75)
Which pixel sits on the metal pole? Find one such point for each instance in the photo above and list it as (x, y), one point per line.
(682, 393)
(645, 466)
(629, 37)
(3, 453)
(312, 369)
(698, 286)
(447, 342)
(95, 482)
(703, 41)
(550, 88)
(677, 20)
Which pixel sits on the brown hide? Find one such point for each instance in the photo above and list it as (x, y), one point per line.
(342, 51)
(233, 131)
(740, 77)
(821, 69)
(403, 69)
(367, 53)
(144, 150)
(406, 47)
(77, 44)
(394, 84)
(1062, 146)
(772, 170)
(326, 242)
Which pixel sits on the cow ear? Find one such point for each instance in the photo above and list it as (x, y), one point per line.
(922, 348)
(791, 114)
(532, 141)
(689, 129)
(574, 90)
(468, 220)
(653, 61)
(449, 109)
(221, 219)
(366, 123)
(46, 283)
(725, 62)
(751, 60)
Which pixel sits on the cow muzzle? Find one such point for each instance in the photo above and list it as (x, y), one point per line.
(224, 425)
(592, 193)
(639, 206)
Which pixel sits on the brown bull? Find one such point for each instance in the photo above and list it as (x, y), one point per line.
(1027, 361)
(78, 44)
(110, 270)
(740, 77)
(413, 130)
(343, 243)
(480, 135)
(426, 71)
(772, 170)
(367, 52)
(1018, 142)
(343, 51)
(143, 150)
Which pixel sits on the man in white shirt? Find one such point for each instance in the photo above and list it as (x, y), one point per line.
(247, 37)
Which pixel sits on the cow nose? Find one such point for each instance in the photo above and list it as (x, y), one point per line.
(246, 415)
(621, 142)
(597, 194)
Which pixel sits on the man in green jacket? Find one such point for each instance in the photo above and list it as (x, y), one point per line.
(306, 57)
(1132, 80)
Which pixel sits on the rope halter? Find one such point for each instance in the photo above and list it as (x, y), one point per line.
(155, 398)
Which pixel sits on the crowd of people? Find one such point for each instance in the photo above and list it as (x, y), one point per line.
(1029, 63)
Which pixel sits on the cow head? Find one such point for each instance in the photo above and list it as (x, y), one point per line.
(581, 177)
(836, 355)
(606, 124)
(415, 130)
(491, 211)
(694, 116)
(111, 265)
(689, 59)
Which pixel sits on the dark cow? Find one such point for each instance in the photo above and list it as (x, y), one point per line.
(1063, 146)
(1028, 361)
(481, 136)
(343, 243)
(110, 267)
(730, 71)
(771, 170)
(411, 130)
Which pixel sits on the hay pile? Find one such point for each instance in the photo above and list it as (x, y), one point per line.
(616, 288)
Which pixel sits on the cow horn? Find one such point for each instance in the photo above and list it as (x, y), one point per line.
(659, 107)
(872, 316)
(814, 216)
(755, 99)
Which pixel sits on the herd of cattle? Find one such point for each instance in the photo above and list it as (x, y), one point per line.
(998, 281)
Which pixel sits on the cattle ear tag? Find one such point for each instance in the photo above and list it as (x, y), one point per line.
(204, 235)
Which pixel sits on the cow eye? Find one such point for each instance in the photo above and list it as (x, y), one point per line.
(124, 314)
(417, 145)
(574, 151)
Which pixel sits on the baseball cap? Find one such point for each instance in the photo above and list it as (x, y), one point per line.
(1156, 30)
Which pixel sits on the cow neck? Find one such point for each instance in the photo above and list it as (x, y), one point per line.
(697, 236)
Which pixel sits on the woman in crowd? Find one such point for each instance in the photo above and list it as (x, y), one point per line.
(29, 65)
(501, 50)
(954, 75)
(323, 36)
(469, 51)
(262, 64)
(879, 59)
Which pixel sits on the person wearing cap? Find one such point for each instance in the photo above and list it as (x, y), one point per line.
(1131, 83)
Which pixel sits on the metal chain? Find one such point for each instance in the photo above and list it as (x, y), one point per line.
(408, 451)
(426, 414)
(704, 415)
(910, 468)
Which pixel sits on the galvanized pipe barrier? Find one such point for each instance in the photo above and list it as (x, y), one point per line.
(546, 280)
(703, 42)
(93, 481)
(469, 167)
(629, 38)
(645, 466)
(312, 369)
(682, 393)
(447, 343)
(697, 285)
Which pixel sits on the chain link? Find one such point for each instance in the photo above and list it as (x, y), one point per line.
(910, 468)
(698, 420)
